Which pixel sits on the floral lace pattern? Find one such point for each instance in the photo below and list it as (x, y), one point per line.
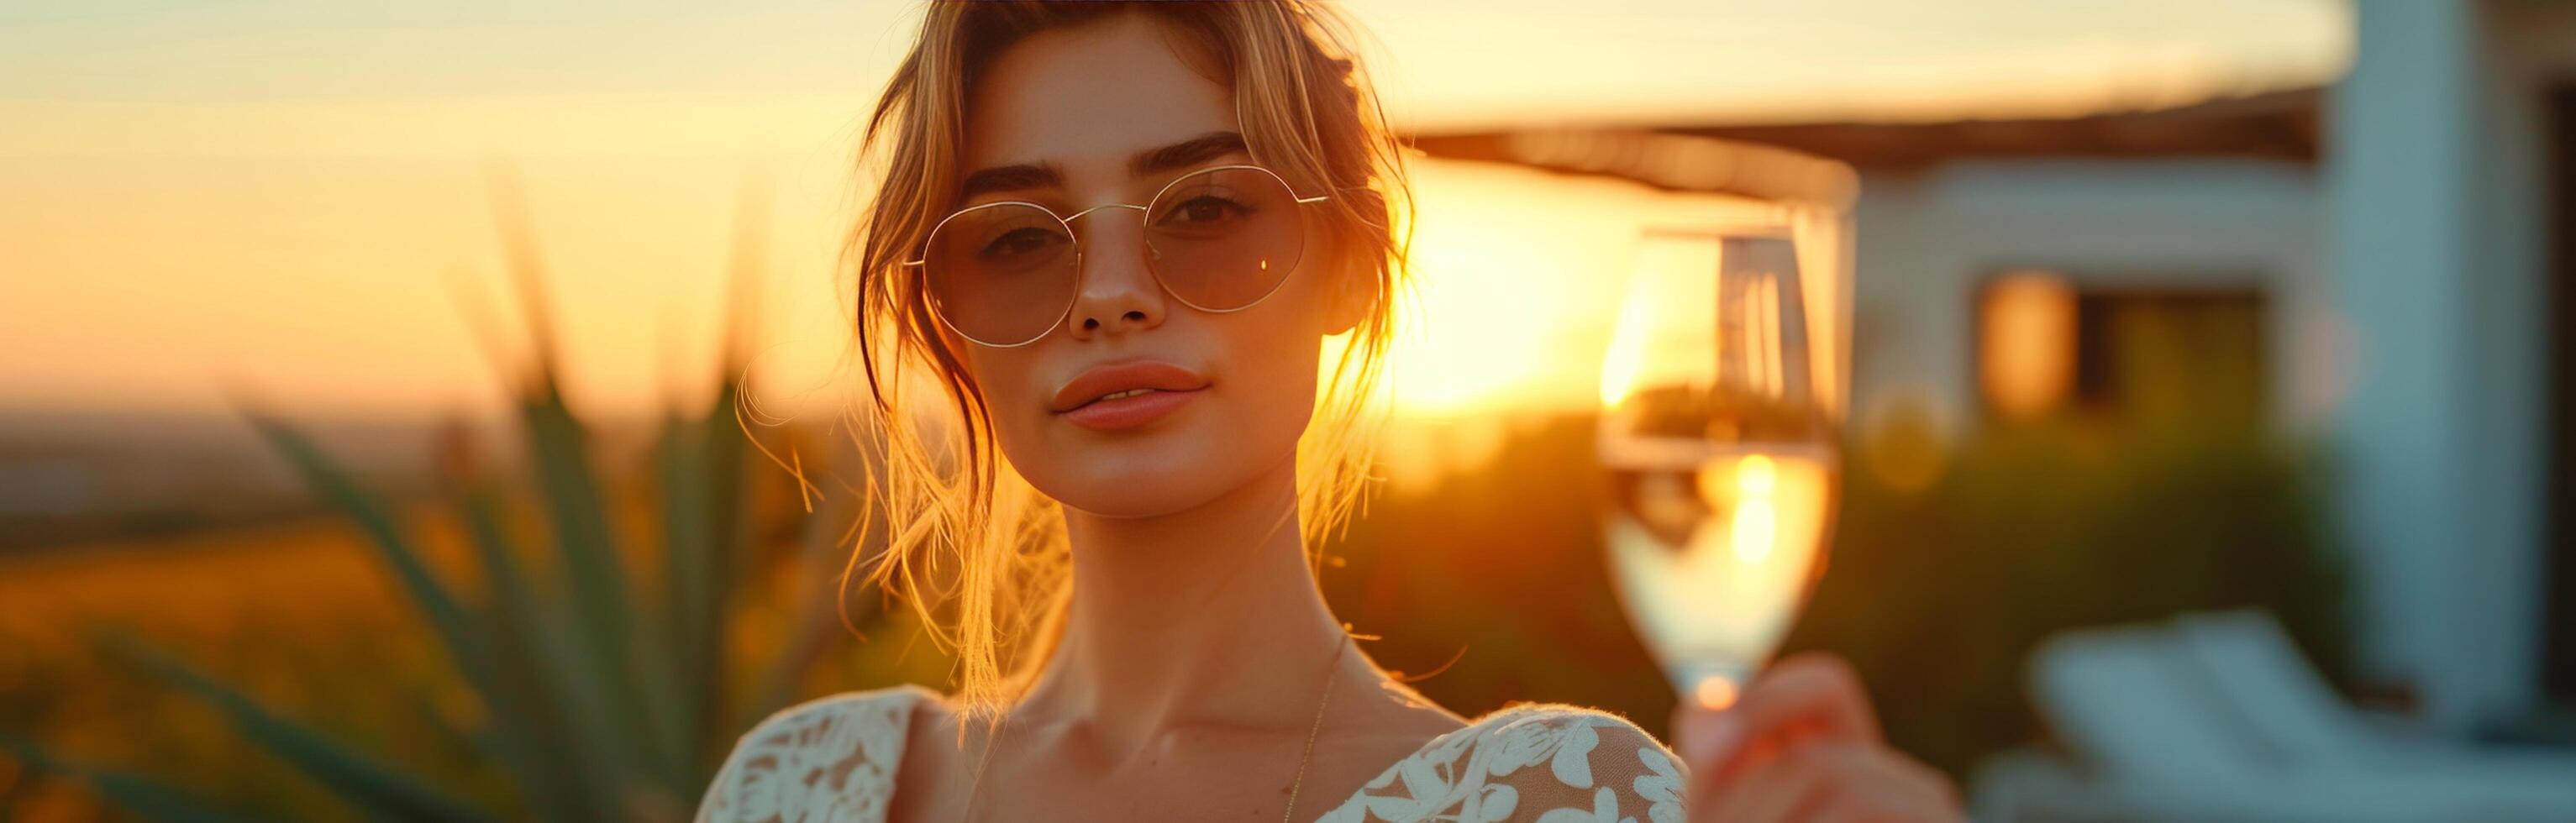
(825, 761)
(1549, 763)
(833, 761)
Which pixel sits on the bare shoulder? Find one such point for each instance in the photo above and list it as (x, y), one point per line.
(1385, 724)
(1603, 724)
(1399, 711)
(938, 763)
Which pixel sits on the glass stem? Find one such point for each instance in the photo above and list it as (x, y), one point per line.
(1713, 684)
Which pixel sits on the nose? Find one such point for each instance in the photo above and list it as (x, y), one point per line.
(1118, 292)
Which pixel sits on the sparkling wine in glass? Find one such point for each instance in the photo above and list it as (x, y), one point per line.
(1721, 458)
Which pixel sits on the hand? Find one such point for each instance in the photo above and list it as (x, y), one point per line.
(1801, 744)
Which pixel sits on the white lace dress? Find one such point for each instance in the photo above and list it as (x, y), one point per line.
(833, 760)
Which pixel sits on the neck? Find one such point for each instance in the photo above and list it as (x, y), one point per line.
(1203, 617)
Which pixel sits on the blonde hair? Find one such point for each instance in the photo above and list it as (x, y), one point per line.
(964, 531)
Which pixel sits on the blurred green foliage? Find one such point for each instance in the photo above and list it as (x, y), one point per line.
(1938, 594)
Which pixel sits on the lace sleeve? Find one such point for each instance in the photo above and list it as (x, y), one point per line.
(827, 759)
(1601, 768)
(1541, 765)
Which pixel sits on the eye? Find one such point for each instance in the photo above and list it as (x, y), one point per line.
(1203, 211)
(1018, 242)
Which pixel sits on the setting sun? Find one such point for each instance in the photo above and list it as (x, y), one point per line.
(1520, 276)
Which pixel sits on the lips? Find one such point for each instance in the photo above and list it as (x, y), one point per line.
(1114, 396)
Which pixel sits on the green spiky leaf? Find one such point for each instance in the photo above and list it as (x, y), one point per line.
(143, 796)
(436, 603)
(373, 787)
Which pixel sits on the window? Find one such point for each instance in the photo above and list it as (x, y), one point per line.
(2141, 351)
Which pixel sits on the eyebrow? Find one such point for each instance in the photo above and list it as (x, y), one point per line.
(1023, 176)
(1186, 153)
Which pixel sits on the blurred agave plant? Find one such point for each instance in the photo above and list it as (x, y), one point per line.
(599, 698)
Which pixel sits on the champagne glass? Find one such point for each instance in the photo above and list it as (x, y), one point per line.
(1721, 457)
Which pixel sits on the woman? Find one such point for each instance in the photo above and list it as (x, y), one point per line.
(1113, 239)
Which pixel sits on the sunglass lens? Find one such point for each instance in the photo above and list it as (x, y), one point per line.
(1001, 274)
(1225, 238)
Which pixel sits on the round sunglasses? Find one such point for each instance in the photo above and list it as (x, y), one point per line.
(1218, 239)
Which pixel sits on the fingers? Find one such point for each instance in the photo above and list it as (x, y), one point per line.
(1778, 789)
(1887, 781)
(1706, 739)
(1821, 781)
(1807, 695)
(1813, 689)
(1802, 744)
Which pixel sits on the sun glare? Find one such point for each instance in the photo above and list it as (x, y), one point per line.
(1520, 277)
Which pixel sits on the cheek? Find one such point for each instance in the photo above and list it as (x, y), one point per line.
(1272, 352)
(1284, 350)
(1009, 381)
(1274, 394)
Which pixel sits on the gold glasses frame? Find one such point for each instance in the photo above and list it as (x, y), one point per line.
(922, 261)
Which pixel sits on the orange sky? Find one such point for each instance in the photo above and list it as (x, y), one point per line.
(275, 194)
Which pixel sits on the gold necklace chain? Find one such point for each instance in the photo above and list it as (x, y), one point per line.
(975, 790)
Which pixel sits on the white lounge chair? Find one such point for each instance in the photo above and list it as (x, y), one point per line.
(2280, 700)
(2155, 740)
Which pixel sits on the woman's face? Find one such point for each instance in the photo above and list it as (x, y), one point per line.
(1075, 118)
